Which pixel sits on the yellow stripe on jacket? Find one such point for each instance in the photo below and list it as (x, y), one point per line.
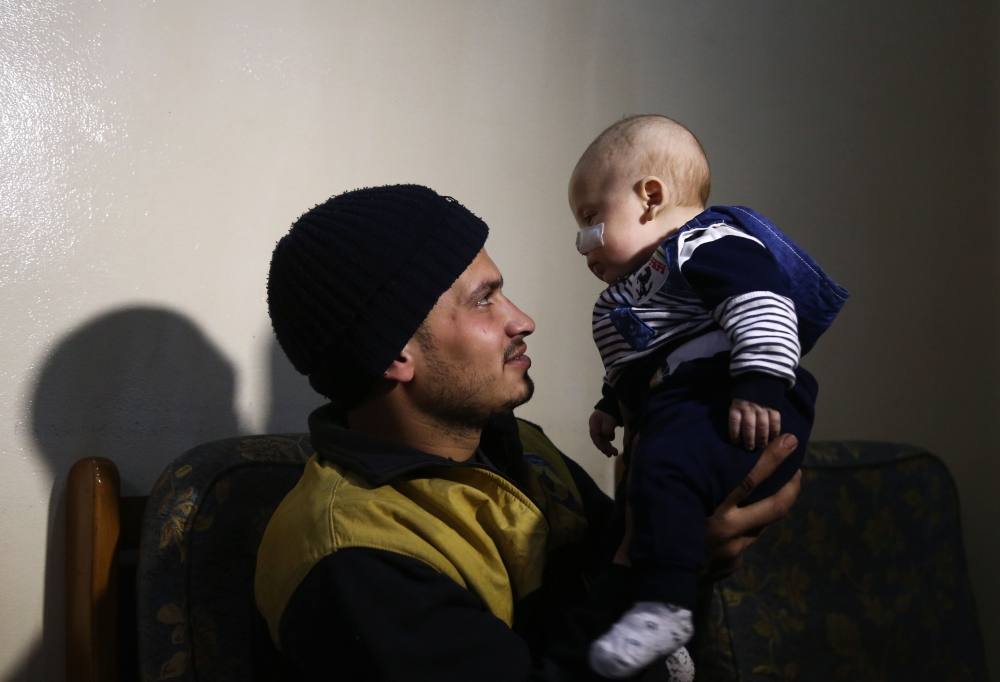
(468, 523)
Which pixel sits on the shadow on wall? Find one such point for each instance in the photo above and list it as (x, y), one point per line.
(138, 386)
(292, 398)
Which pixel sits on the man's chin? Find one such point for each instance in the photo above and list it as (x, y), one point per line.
(527, 390)
(456, 405)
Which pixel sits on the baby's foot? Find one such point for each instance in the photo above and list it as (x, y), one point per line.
(680, 667)
(650, 630)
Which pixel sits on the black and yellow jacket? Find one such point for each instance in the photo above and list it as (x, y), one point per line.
(387, 563)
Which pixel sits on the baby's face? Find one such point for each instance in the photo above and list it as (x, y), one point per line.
(605, 197)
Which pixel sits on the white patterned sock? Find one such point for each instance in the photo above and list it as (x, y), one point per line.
(650, 630)
(680, 667)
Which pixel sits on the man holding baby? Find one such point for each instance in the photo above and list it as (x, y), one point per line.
(434, 535)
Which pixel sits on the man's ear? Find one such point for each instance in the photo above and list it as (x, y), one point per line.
(652, 193)
(403, 367)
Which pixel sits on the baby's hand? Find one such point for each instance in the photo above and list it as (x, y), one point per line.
(602, 432)
(758, 424)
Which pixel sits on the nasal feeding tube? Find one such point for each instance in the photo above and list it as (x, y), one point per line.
(589, 238)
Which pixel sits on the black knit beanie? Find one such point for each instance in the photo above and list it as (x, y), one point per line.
(356, 276)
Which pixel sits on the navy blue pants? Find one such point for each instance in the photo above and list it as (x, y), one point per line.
(684, 466)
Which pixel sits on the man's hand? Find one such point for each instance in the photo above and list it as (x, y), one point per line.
(731, 529)
(755, 423)
(602, 432)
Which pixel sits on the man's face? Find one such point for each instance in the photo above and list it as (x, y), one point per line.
(469, 361)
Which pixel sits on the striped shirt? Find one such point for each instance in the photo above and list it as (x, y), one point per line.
(704, 291)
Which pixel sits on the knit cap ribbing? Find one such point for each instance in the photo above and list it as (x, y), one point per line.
(357, 275)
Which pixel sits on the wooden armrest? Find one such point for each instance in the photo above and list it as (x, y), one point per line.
(92, 532)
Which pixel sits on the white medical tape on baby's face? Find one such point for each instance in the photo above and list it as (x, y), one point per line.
(589, 238)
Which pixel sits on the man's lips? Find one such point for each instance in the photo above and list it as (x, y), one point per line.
(516, 356)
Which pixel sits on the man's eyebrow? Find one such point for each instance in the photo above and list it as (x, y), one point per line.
(484, 289)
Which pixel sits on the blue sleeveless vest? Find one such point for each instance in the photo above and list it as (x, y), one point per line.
(817, 298)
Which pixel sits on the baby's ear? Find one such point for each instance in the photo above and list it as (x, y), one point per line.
(652, 192)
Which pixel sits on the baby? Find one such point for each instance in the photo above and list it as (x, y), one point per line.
(701, 328)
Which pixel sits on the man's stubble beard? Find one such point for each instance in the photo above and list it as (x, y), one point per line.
(457, 400)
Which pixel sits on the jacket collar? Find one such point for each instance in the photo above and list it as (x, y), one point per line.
(379, 461)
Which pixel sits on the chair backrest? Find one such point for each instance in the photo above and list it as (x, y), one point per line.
(203, 524)
(865, 580)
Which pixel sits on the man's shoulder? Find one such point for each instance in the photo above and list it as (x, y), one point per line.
(479, 536)
(329, 509)
(542, 455)
(298, 534)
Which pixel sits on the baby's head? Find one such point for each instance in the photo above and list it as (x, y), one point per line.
(643, 177)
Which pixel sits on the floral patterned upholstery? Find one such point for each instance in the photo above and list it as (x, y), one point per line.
(202, 526)
(865, 579)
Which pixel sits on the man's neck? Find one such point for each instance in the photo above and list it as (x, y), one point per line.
(416, 430)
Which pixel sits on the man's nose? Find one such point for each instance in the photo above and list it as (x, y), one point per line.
(518, 324)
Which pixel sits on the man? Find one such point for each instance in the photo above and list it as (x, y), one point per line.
(433, 536)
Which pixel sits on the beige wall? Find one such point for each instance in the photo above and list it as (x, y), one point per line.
(153, 152)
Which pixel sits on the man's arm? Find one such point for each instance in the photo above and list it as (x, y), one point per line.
(365, 614)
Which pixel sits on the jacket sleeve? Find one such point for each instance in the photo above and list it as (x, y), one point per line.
(608, 403)
(368, 614)
(739, 280)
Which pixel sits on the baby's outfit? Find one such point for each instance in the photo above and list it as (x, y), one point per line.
(723, 309)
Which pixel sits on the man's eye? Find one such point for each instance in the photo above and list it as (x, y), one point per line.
(485, 300)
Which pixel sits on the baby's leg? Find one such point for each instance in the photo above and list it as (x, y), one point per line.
(671, 492)
(681, 469)
(660, 623)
